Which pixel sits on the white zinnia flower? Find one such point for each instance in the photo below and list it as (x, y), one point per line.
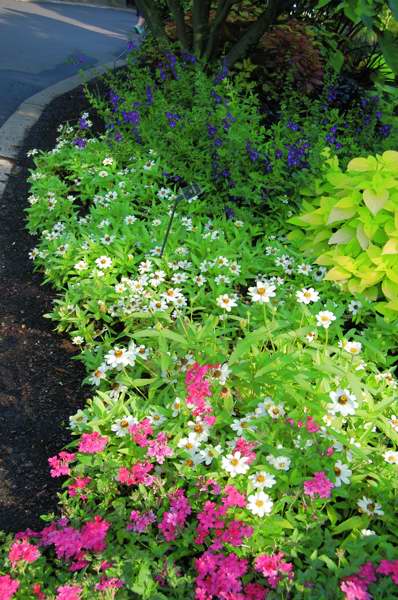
(118, 357)
(391, 457)
(281, 463)
(369, 506)
(209, 453)
(343, 402)
(307, 295)
(262, 292)
(103, 262)
(262, 479)
(121, 426)
(98, 375)
(77, 420)
(394, 422)
(81, 265)
(260, 504)
(324, 318)
(226, 302)
(342, 472)
(353, 347)
(276, 410)
(235, 464)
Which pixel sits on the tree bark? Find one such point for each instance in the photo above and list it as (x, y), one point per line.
(153, 17)
(200, 24)
(223, 8)
(257, 30)
(177, 11)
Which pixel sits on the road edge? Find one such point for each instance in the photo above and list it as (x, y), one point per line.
(17, 126)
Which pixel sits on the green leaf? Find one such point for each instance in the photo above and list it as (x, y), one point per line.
(350, 524)
(337, 61)
(389, 46)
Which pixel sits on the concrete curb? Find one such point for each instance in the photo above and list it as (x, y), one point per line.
(111, 4)
(15, 129)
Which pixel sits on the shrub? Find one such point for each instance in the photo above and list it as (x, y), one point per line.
(353, 222)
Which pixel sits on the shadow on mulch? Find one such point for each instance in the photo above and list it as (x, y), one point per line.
(40, 386)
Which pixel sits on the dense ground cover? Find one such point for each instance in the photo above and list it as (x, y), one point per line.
(241, 442)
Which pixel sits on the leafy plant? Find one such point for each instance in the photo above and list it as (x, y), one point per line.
(353, 221)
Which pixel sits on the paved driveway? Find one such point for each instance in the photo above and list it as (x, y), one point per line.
(43, 43)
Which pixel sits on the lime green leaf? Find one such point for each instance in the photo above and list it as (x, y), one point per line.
(373, 201)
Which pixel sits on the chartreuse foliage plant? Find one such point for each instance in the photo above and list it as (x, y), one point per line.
(352, 219)
(241, 443)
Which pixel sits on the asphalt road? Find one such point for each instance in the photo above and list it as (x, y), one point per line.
(43, 43)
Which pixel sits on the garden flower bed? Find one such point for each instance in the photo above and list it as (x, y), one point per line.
(241, 439)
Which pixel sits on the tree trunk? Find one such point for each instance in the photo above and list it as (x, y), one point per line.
(177, 11)
(257, 30)
(223, 8)
(200, 24)
(153, 17)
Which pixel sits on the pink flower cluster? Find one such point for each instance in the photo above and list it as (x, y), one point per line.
(175, 518)
(310, 425)
(141, 521)
(79, 484)
(91, 443)
(23, 550)
(355, 587)
(159, 449)
(219, 576)
(273, 567)
(107, 583)
(70, 542)
(140, 432)
(8, 587)
(60, 463)
(389, 567)
(211, 521)
(137, 474)
(319, 484)
(69, 592)
(198, 389)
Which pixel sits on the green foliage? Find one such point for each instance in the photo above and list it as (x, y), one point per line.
(352, 217)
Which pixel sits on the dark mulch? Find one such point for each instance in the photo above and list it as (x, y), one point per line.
(40, 386)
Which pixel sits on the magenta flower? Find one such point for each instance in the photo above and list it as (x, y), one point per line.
(140, 521)
(355, 587)
(233, 534)
(23, 550)
(91, 443)
(8, 587)
(159, 449)
(140, 432)
(255, 591)
(79, 484)
(60, 463)
(175, 518)
(69, 592)
(107, 583)
(389, 567)
(319, 484)
(93, 534)
(219, 575)
(137, 474)
(273, 567)
(233, 497)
